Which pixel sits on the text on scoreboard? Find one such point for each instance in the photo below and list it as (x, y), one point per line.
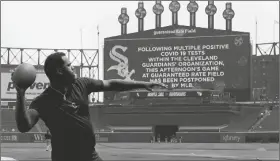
(196, 62)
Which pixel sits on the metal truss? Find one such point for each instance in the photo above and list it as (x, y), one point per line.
(267, 49)
(86, 59)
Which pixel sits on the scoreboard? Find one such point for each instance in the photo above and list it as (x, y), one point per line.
(198, 62)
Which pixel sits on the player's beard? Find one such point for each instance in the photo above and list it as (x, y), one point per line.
(71, 78)
(66, 79)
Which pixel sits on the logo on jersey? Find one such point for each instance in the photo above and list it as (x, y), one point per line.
(74, 105)
(122, 67)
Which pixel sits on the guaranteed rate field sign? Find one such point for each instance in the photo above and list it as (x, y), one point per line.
(204, 62)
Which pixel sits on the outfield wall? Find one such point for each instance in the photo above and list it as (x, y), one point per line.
(145, 137)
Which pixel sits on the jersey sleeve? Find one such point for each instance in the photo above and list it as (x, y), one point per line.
(38, 103)
(92, 85)
(35, 104)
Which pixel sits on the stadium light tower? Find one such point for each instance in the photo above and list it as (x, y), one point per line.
(123, 20)
(192, 8)
(174, 7)
(228, 15)
(158, 10)
(140, 13)
(210, 10)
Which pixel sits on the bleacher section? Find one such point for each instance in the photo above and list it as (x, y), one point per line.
(8, 122)
(271, 122)
(160, 101)
(203, 119)
(244, 120)
(137, 118)
(168, 108)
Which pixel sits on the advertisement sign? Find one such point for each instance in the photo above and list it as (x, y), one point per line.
(100, 138)
(202, 62)
(9, 137)
(232, 138)
(22, 137)
(38, 138)
(8, 91)
(188, 137)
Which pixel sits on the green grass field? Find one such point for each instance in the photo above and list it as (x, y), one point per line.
(148, 151)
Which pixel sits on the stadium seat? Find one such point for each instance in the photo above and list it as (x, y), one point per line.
(270, 123)
(244, 120)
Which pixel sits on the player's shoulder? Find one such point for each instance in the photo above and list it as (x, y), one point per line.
(88, 84)
(81, 79)
(86, 80)
(42, 99)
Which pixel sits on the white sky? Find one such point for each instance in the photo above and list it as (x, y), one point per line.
(53, 24)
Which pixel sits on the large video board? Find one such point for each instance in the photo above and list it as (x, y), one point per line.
(205, 62)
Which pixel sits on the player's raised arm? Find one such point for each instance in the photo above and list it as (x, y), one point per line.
(23, 77)
(25, 118)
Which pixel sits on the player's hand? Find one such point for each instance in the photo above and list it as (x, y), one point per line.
(151, 85)
(18, 89)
